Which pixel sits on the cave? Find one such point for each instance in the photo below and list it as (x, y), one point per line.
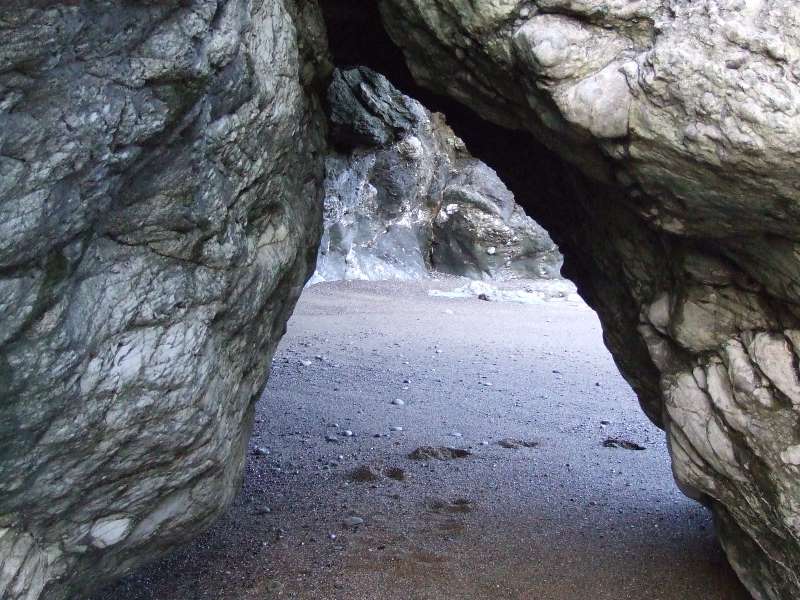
(547, 187)
(161, 209)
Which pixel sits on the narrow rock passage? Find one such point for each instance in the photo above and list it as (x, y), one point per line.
(557, 514)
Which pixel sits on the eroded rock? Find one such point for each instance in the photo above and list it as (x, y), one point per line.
(160, 170)
(404, 196)
(675, 203)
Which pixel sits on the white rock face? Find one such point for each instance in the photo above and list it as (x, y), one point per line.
(407, 198)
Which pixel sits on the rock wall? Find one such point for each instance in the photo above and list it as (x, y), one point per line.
(404, 197)
(675, 202)
(160, 177)
(160, 171)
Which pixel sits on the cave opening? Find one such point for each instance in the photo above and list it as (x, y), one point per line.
(357, 37)
(413, 444)
(162, 171)
(419, 444)
(576, 211)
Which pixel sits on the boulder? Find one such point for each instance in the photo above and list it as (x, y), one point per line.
(160, 177)
(663, 145)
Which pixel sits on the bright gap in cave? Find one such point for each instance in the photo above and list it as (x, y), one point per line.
(326, 514)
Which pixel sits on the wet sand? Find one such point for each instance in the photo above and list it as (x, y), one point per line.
(566, 518)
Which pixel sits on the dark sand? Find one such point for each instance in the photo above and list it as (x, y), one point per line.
(567, 519)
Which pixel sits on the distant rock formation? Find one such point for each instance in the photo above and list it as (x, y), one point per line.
(404, 197)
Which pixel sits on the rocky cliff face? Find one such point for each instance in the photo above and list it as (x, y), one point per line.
(676, 206)
(403, 196)
(160, 176)
(160, 173)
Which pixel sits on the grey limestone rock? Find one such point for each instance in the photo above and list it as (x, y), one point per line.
(675, 202)
(403, 196)
(366, 110)
(482, 233)
(160, 171)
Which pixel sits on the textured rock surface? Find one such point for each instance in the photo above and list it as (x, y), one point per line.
(676, 206)
(159, 165)
(482, 233)
(160, 169)
(403, 196)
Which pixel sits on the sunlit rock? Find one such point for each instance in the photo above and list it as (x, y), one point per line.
(404, 197)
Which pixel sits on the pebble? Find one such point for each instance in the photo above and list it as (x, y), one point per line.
(398, 402)
(305, 363)
(347, 433)
(396, 428)
(396, 473)
(364, 473)
(260, 451)
(274, 586)
(353, 521)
